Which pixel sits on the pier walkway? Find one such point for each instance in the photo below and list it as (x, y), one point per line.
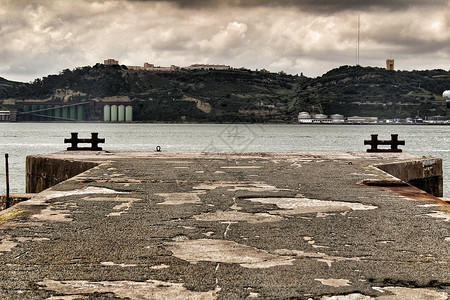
(161, 225)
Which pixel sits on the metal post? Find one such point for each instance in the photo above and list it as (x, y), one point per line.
(7, 204)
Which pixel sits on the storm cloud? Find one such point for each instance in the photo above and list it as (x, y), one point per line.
(305, 36)
(330, 6)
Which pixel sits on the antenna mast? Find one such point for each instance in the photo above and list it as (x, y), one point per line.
(357, 45)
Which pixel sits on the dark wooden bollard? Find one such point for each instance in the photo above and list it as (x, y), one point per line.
(374, 142)
(74, 141)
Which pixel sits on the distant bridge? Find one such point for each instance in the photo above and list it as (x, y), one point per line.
(53, 112)
(81, 111)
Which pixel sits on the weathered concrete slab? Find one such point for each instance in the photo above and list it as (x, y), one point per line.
(153, 225)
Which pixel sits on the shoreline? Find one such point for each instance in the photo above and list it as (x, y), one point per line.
(225, 123)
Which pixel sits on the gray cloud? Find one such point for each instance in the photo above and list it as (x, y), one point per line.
(327, 6)
(43, 37)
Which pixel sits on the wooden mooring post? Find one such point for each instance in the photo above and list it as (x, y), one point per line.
(374, 142)
(74, 141)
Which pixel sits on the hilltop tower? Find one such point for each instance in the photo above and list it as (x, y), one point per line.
(390, 64)
(110, 62)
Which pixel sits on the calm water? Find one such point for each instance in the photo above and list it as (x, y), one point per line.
(22, 139)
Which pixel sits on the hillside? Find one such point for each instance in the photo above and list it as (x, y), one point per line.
(378, 92)
(240, 95)
(7, 86)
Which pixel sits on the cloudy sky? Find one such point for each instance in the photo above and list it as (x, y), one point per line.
(42, 37)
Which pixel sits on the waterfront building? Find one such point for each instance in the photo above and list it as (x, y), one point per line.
(320, 116)
(337, 118)
(446, 94)
(304, 117)
(5, 115)
(321, 119)
(362, 120)
(437, 119)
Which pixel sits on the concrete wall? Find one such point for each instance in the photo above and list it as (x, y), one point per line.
(425, 174)
(43, 172)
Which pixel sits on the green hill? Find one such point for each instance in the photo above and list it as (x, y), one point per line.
(378, 92)
(241, 95)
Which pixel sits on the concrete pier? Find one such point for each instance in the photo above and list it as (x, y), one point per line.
(159, 225)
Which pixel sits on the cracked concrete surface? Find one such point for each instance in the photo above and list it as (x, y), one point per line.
(294, 206)
(164, 225)
(180, 198)
(226, 252)
(396, 293)
(232, 215)
(150, 289)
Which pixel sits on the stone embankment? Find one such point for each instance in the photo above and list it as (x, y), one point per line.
(158, 225)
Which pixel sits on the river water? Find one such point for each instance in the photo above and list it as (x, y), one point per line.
(22, 139)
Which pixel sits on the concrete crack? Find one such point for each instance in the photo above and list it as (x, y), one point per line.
(217, 279)
(227, 229)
